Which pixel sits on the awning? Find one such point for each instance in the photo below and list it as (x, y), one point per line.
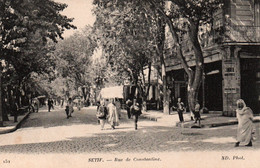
(112, 92)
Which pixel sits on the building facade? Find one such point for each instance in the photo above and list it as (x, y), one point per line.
(231, 49)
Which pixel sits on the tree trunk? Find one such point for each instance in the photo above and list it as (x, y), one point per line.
(144, 104)
(161, 41)
(192, 99)
(146, 89)
(1, 109)
(5, 105)
(194, 79)
(195, 82)
(166, 104)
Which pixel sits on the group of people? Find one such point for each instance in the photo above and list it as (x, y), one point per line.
(245, 130)
(111, 112)
(181, 109)
(68, 108)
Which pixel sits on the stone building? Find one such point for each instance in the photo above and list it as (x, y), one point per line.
(231, 49)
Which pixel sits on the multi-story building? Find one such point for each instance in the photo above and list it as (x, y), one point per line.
(231, 49)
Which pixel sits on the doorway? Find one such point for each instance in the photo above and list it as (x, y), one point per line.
(250, 83)
(213, 86)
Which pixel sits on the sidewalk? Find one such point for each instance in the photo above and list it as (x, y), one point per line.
(10, 126)
(212, 119)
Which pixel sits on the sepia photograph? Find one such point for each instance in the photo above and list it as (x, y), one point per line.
(129, 83)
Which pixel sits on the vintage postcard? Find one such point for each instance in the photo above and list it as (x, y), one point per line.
(129, 83)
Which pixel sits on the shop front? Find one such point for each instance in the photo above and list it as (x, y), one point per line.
(241, 78)
(250, 82)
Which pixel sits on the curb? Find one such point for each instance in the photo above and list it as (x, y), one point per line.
(214, 124)
(228, 123)
(14, 128)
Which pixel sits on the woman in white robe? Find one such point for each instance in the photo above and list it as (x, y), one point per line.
(113, 116)
(245, 124)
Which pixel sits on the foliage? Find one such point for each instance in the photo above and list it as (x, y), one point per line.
(126, 34)
(27, 32)
(73, 58)
(184, 19)
(26, 27)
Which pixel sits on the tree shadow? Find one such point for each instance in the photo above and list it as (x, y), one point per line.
(56, 118)
(146, 139)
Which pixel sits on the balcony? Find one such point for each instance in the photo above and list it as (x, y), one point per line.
(211, 40)
(229, 34)
(242, 34)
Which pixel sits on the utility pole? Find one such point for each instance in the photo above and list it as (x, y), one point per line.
(1, 109)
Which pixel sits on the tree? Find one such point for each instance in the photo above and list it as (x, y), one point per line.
(21, 18)
(126, 34)
(26, 24)
(186, 16)
(161, 40)
(74, 59)
(103, 74)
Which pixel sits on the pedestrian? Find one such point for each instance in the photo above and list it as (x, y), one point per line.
(180, 109)
(52, 104)
(98, 105)
(128, 105)
(69, 108)
(135, 111)
(62, 102)
(101, 114)
(197, 113)
(245, 124)
(118, 107)
(36, 104)
(49, 105)
(15, 108)
(113, 117)
(79, 104)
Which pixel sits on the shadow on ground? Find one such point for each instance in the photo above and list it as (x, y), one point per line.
(146, 139)
(58, 118)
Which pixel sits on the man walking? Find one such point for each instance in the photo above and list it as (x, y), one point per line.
(135, 111)
(49, 105)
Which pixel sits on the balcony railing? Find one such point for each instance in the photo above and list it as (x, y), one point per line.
(242, 34)
(207, 39)
(229, 34)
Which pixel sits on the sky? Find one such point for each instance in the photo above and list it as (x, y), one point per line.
(80, 10)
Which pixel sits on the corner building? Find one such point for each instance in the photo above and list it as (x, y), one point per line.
(231, 49)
